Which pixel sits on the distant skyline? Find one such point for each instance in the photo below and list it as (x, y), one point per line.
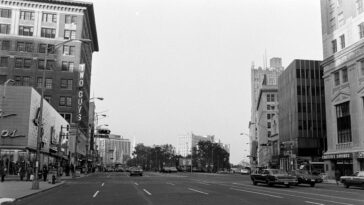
(167, 68)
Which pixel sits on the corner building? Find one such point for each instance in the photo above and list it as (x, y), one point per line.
(343, 43)
(28, 29)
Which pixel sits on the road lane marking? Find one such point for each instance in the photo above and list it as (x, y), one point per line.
(203, 183)
(298, 196)
(170, 183)
(307, 193)
(310, 202)
(102, 184)
(257, 193)
(136, 183)
(147, 192)
(95, 194)
(198, 191)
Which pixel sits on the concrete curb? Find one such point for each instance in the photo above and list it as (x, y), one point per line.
(44, 190)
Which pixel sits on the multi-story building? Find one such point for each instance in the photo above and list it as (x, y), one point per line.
(343, 41)
(258, 75)
(19, 130)
(29, 33)
(301, 108)
(187, 142)
(265, 113)
(113, 149)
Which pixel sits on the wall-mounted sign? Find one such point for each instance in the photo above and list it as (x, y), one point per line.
(80, 91)
(338, 156)
(10, 134)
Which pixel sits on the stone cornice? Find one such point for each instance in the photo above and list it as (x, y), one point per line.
(43, 6)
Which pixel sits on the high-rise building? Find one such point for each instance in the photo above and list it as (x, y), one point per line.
(343, 41)
(113, 150)
(302, 125)
(29, 33)
(187, 142)
(270, 78)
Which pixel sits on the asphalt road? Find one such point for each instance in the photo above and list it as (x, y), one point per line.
(186, 188)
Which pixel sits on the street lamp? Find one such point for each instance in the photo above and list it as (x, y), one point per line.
(35, 183)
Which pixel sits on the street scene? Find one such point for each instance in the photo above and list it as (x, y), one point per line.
(182, 102)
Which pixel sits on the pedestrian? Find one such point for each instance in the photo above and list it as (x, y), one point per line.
(2, 170)
(337, 176)
(45, 172)
(29, 172)
(72, 169)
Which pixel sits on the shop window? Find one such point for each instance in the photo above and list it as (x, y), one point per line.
(343, 122)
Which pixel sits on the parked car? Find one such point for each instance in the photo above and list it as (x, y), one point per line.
(272, 177)
(357, 179)
(304, 177)
(136, 171)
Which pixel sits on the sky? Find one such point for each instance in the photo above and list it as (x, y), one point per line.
(167, 68)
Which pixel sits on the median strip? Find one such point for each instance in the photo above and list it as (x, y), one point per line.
(95, 194)
(102, 184)
(257, 193)
(198, 191)
(136, 183)
(147, 192)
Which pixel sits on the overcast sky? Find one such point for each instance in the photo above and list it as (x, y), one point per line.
(169, 67)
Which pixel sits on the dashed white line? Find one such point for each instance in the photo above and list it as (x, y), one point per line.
(257, 193)
(310, 202)
(202, 183)
(136, 183)
(147, 192)
(170, 183)
(198, 191)
(102, 184)
(95, 194)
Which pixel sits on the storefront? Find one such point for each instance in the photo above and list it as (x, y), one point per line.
(339, 161)
(19, 130)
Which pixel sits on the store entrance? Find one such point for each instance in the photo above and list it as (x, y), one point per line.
(345, 166)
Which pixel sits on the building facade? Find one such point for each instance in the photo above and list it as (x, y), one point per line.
(258, 75)
(266, 111)
(343, 42)
(19, 130)
(302, 121)
(185, 143)
(30, 37)
(113, 150)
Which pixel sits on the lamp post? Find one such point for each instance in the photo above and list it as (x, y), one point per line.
(35, 183)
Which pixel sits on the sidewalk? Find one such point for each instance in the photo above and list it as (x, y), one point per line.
(13, 188)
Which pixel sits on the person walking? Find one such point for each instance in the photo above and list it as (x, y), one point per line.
(337, 176)
(45, 172)
(2, 170)
(29, 172)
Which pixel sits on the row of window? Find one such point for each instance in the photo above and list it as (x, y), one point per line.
(46, 17)
(45, 32)
(310, 125)
(334, 43)
(42, 48)
(309, 107)
(66, 84)
(307, 90)
(307, 73)
(27, 63)
(341, 76)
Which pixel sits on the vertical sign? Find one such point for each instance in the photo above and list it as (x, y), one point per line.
(80, 91)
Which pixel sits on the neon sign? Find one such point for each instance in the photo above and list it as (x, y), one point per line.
(80, 92)
(10, 133)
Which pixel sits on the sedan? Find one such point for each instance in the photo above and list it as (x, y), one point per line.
(136, 171)
(357, 179)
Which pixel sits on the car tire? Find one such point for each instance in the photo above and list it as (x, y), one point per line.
(269, 183)
(254, 182)
(288, 185)
(312, 184)
(346, 185)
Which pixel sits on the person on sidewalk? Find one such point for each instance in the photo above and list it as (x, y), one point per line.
(337, 176)
(2, 170)
(29, 172)
(45, 172)
(22, 171)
